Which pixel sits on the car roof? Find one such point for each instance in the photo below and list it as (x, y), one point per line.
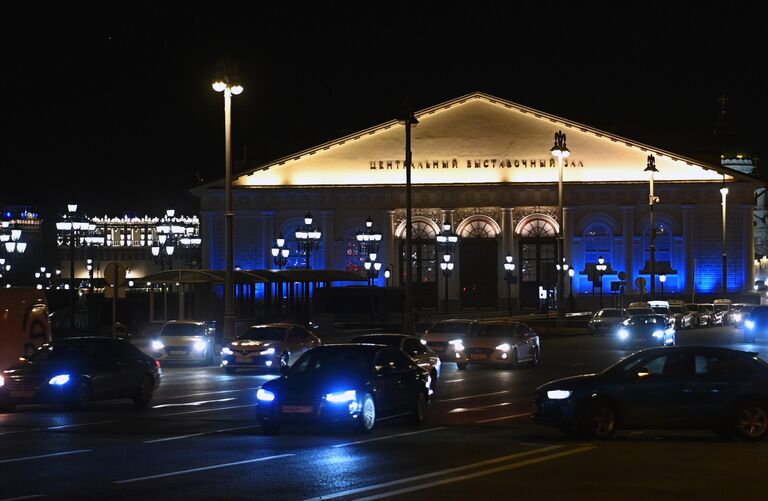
(186, 322)
(456, 321)
(501, 322)
(385, 334)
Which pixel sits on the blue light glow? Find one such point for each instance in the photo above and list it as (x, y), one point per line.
(265, 395)
(59, 380)
(341, 396)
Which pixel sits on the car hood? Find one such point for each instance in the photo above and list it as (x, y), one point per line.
(252, 345)
(645, 329)
(490, 341)
(569, 383)
(315, 383)
(43, 368)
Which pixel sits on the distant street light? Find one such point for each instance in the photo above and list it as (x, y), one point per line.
(662, 279)
(509, 277)
(601, 267)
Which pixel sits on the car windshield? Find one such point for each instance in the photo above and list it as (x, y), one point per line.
(722, 307)
(645, 320)
(334, 360)
(450, 327)
(182, 330)
(61, 352)
(610, 313)
(263, 334)
(676, 309)
(501, 330)
(393, 341)
(661, 310)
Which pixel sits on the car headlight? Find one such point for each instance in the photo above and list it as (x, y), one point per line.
(658, 334)
(2, 380)
(504, 347)
(339, 397)
(458, 344)
(558, 394)
(623, 334)
(227, 351)
(749, 324)
(265, 395)
(157, 345)
(268, 351)
(737, 317)
(59, 380)
(200, 345)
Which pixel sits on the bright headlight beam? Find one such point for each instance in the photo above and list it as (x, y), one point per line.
(341, 396)
(157, 345)
(504, 347)
(265, 395)
(59, 379)
(200, 345)
(558, 394)
(268, 351)
(226, 351)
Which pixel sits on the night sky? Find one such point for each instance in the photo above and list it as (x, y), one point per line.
(112, 106)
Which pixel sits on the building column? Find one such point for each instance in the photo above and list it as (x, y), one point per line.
(326, 257)
(748, 245)
(390, 253)
(689, 238)
(268, 236)
(507, 242)
(628, 229)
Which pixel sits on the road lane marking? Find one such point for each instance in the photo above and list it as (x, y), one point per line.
(208, 410)
(194, 404)
(42, 456)
(212, 393)
(468, 476)
(513, 416)
(204, 468)
(65, 426)
(179, 437)
(473, 396)
(388, 437)
(453, 381)
(501, 459)
(473, 409)
(31, 496)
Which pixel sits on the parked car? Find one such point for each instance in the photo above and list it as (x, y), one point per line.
(639, 310)
(502, 343)
(605, 321)
(415, 347)
(446, 335)
(716, 316)
(681, 315)
(721, 308)
(646, 330)
(355, 384)
(267, 346)
(185, 341)
(702, 317)
(674, 387)
(74, 371)
(756, 325)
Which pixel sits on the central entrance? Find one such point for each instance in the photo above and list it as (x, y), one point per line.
(538, 256)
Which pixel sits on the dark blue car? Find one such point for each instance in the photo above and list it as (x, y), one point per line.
(356, 384)
(717, 389)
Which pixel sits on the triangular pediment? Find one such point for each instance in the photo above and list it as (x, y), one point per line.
(476, 139)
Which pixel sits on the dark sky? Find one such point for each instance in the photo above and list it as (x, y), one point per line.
(111, 106)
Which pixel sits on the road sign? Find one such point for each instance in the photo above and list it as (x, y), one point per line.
(114, 273)
(640, 282)
(109, 292)
(622, 275)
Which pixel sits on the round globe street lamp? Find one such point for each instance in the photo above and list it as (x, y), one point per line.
(571, 272)
(14, 247)
(562, 270)
(662, 279)
(308, 238)
(652, 199)
(387, 274)
(447, 241)
(370, 239)
(229, 89)
(446, 266)
(372, 268)
(601, 267)
(509, 277)
(280, 252)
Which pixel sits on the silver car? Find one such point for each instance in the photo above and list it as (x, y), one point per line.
(445, 338)
(185, 341)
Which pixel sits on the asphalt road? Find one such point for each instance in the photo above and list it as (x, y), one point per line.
(200, 441)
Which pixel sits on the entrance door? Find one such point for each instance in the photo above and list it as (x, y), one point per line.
(478, 269)
(423, 273)
(537, 268)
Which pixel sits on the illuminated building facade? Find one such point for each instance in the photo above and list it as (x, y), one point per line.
(483, 164)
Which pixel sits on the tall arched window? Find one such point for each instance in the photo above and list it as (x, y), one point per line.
(597, 242)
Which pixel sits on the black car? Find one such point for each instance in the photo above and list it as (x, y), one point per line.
(646, 330)
(717, 389)
(74, 371)
(415, 347)
(357, 384)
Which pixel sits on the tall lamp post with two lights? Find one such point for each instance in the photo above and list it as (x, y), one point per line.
(571, 272)
(601, 267)
(447, 241)
(724, 195)
(230, 89)
(509, 277)
(652, 199)
(560, 151)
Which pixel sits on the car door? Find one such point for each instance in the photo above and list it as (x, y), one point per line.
(709, 392)
(417, 351)
(388, 383)
(135, 366)
(295, 343)
(108, 371)
(525, 342)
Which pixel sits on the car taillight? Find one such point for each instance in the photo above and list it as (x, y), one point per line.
(157, 363)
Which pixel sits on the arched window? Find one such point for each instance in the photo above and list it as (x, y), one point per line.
(478, 228)
(538, 228)
(663, 243)
(597, 242)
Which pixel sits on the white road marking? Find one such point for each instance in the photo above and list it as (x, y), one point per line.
(65, 426)
(194, 404)
(42, 456)
(452, 381)
(209, 410)
(204, 468)
(213, 392)
(473, 409)
(473, 396)
(179, 437)
(477, 474)
(436, 473)
(388, 437)
(505, 418)
(31, 496)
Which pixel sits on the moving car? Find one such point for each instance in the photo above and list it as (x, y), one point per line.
(501, 342)
(756, 325)
(709, 388)
(605, 321)
(186, 341)
(646, 330)
(75, 371)
(267, 346)
(355, 384)
(415, 347)
(738, 313)
(445, 335)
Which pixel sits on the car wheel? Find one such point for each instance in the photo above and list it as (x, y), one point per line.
(751, 421)
(514, 362)
(144, 392)
(81, 395)
(419, 413)
(599, 420)
(269, 427)
(367, 417)
(230, 370)
(462, 366)
(535, 358)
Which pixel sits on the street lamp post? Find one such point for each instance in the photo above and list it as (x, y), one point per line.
(560, 151)
(662, 279)
(14, 247)
(601, 267)
(387, 274)
(229, 89)
(446, 266)
(652, 199)
(571, 272)
(163, 254)
(447, 241)
(509, 277)
(280, 252)
(724, 194)
(409, 120)
(372, 268)
(562, 270)
(308, 238)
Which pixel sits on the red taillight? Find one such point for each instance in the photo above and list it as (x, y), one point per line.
(157, 363)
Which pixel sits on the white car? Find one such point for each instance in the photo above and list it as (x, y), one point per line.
(185, 341)
(501, 343)
(447, 336)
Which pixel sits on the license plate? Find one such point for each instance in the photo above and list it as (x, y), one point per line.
(177, 352)
(21, 394)
(297, 409)
(242, 359)
(477, 356)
